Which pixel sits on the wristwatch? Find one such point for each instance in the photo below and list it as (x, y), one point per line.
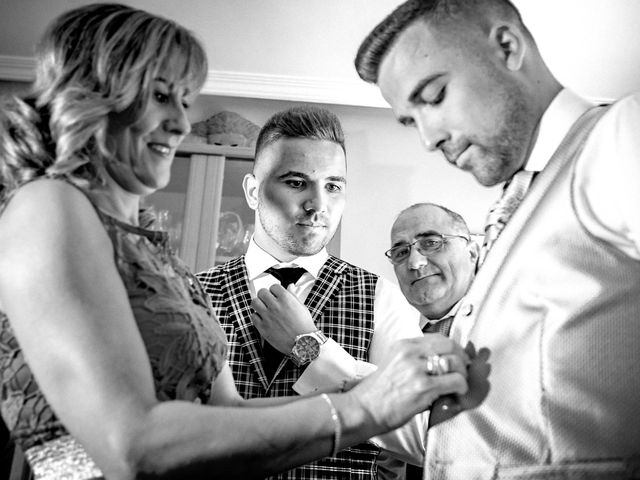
(306, 347)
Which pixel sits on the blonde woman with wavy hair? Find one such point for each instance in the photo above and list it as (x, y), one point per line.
(111, 362)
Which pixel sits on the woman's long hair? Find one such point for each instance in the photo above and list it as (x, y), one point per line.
(92, 61)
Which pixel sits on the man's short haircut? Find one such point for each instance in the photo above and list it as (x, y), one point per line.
(309, 122)
(458, 223)
(376, 45)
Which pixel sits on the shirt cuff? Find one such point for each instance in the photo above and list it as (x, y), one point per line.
(407, 443)
(333, 370)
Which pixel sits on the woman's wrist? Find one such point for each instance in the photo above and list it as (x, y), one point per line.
(357, 424)
(337, 425)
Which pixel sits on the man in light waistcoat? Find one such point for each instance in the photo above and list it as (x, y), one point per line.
(557, 298)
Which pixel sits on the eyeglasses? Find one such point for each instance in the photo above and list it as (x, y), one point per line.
(426, 245)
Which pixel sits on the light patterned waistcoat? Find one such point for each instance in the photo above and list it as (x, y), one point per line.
(341, 304)
(560, 312)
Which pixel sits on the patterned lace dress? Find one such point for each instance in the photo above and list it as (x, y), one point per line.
(185, 344)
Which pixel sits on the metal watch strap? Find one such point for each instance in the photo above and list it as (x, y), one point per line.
(321, 337)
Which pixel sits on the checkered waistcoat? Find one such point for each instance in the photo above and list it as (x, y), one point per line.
(341, 304)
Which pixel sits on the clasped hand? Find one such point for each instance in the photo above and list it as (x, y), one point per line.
(280, 317)
(403, 388)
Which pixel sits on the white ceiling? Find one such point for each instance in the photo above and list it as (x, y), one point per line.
(303, 49)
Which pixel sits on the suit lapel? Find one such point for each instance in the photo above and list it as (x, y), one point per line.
(326, 285)
(239, 294)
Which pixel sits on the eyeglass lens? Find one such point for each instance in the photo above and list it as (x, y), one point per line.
(425, 245)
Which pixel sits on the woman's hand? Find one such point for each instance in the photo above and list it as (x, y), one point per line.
(478, 379)
(403, 387)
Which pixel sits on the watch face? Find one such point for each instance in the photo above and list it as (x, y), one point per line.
(306, 349)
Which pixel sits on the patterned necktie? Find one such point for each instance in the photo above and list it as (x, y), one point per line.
(503, 209)
(441, 326)
(272, 356)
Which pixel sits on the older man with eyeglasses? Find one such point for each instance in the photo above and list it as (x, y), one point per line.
(434, 261)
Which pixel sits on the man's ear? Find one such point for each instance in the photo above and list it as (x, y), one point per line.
(250, 187)
(511, 45)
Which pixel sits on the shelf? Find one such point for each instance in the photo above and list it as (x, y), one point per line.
(224, 150)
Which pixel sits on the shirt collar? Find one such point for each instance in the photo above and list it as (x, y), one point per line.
(451, 313)
(555, 123)
(258, 260)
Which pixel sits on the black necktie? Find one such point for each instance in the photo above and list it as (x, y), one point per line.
(286, 276)
(441, 326)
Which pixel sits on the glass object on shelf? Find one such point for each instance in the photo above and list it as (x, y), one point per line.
(168, 205)
(230, 233)
(235, 224)
(164, 222)
(233, 235)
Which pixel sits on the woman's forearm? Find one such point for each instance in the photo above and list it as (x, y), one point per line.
(180, 439)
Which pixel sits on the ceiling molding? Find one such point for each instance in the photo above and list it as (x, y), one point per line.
(300, 89)
(256, 85)
(248, 85)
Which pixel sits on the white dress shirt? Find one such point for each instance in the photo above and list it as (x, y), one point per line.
(394, 319)
(451, 313)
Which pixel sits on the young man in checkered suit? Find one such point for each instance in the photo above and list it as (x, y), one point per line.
(350, 317)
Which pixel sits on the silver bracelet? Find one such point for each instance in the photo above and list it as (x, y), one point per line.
(337, 426)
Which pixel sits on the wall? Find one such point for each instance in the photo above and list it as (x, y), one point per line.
(592, 46)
